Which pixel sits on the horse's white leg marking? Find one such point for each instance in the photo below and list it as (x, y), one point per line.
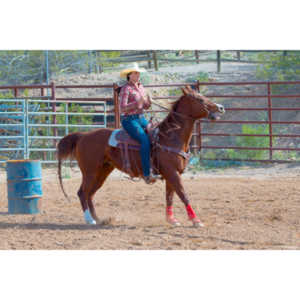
(88, 218)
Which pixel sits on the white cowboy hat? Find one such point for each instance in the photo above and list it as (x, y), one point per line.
(134, 68)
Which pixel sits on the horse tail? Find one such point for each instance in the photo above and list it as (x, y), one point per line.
(66, 148)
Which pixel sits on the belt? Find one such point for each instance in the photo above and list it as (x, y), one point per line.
(131, 117)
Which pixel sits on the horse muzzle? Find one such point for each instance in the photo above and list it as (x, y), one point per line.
(212, 116)
(221, 109)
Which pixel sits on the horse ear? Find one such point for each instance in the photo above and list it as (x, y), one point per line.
(184, 90)
(188, 88)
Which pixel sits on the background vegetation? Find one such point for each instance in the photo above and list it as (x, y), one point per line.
(38, 66)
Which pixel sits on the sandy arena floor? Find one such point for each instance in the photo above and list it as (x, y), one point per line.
(244, 209)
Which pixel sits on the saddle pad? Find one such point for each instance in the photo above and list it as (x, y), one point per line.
(120, 136)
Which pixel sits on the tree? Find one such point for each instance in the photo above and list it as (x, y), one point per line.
(279, 67)
(30, 67)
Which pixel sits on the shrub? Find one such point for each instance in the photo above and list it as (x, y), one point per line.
(279, 67)
(251, 141)
(201, 77)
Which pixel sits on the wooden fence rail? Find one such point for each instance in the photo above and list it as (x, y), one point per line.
(154, 56)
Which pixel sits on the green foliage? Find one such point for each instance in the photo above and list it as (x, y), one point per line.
(201, 77)
(251, 141)
(286, 155)
(227, 55)
(276, 66)
(210, 155)
(29, 67)
(110, 54)
(175, 92)
(145, 78)
(6, 95)
(102, 56)
(20, 66)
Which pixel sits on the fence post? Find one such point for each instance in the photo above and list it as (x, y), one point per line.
(198, 125)
(238, 54)
(117, 106)
(149, 61)
(44, 153)
(98, 67)
(26, 142)
(270, 122)
(219, 60)
(90, 63)
(155, 60)
(16, 92)
(53, 104)
(197, 56)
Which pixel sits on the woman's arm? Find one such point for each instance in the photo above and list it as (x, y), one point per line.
(146, 98)
(124, 105)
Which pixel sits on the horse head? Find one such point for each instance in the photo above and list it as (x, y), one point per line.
(198, 106)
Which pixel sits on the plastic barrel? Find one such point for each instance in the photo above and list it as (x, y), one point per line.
(24, 186)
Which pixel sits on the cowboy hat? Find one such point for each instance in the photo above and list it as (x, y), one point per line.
(133, 68)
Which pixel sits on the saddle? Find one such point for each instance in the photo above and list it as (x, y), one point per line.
(120, 139)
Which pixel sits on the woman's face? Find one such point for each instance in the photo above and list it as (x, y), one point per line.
(134, 76)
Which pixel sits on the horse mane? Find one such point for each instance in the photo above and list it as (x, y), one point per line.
(175, 104)
(166, 122)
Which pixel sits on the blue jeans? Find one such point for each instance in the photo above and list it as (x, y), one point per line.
(135, 126)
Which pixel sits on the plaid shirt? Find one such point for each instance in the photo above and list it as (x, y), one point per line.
(129, 95)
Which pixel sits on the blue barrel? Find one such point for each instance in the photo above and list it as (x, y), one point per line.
(24, 186)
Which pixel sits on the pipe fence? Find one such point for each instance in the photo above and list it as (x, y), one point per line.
(261, 124)
(270, 133)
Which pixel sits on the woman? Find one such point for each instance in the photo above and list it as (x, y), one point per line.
(133, 101)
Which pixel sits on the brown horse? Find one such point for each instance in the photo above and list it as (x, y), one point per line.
(97, 159)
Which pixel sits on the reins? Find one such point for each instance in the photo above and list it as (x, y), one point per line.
(174, 112)
(180, 114)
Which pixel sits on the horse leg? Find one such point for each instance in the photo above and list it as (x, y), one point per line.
(83, 203)
(102, 175)
(169, 210)
(175, 181)
(83, 194)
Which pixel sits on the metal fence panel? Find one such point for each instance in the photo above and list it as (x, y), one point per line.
(30, 129)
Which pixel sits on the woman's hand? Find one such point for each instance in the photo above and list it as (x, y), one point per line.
(140, 103)
(147, 102)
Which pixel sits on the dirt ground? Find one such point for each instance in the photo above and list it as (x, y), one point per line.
(242, 208)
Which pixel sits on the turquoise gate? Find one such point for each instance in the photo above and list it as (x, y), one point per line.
(31, 128)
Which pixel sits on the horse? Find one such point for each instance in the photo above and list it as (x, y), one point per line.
(97, 159)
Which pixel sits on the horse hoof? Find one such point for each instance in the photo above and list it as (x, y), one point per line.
(91, 222)
(88, 218)
(197, 223)
(173, 221)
